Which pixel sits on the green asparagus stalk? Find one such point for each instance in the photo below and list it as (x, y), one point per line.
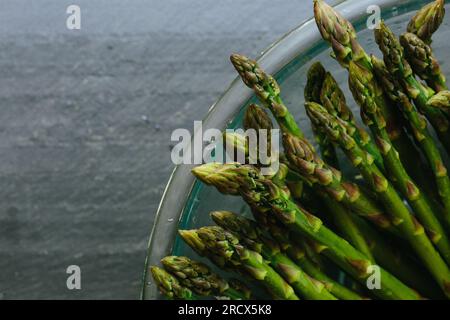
(393, 260)
(229, 248)
(192, 239)
(258, 190)
(304, 160)
(315, 79)
(253, 237)
(397, 64)
(345, 225)
(421, 134)
(427, 20)
(302, 155)
(326, 148)
(333, 100)
(392, 257)
(422, 61)
(267, 90)
(197, 277)
(340, 33)
(339, 215)
(322, 88)
(299, 256)
(169, 286)
(411, 229)
(361, 85)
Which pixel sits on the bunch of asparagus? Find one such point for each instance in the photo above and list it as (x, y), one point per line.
(388, 232)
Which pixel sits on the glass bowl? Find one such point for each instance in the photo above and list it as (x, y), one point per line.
(186, 203)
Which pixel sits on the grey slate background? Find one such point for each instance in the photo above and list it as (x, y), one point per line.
(86, 118)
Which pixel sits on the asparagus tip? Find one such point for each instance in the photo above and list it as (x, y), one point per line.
(204, 171)
(315, 78)
(169, 285)
(427, 20)
(193, 240)
(256, 118)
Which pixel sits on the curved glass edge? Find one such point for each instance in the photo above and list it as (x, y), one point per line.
(277, 59)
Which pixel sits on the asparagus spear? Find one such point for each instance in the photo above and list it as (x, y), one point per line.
(322, 88)
(338, 214)
(197, 277)
(191, 238)
(202, 281)
(315, 79)
(342, 219)
(345, 192)
(169, 286)
(327, 149)
(411, 229)
(440, 100)
(253, 237)
(229, 248)
(422, 61)
(302, 155)
(304, 160)
(420, 132)
(258, 190)
(427, 20)
(345, 225)
(361, 85)
(395, 61)
(333, 99)
(256, 118)
(392, 256)
(298, 254)
(340, 33)
(267, 90)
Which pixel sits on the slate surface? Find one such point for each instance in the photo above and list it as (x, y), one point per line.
(86, 118)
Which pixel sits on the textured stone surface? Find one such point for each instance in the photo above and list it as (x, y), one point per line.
(86, 118)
